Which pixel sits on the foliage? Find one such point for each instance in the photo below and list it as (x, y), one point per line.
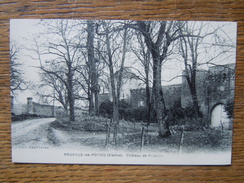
(125, 111)
(137, 114)
(23, 117)
(176, 113)
(229, 109)
(189, 112)
(209, 139)
(106, 109)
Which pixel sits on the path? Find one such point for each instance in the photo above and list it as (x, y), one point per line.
(31, 132)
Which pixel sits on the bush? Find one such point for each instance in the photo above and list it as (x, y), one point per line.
(176, 113)
(194, 125)
(137, 114)
(189, 112)
(229, 108)
(106, 109)
(23, 117)
(89, 127)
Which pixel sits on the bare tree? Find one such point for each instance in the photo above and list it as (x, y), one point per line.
(93, 75)
(158, 37)
(201, 44)
(143, 56)
(189, 51)
(63, 56)
(17, 80)
(58, 90)
(90, 69)
(114, 54)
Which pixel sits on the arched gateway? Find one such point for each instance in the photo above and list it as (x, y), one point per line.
(219, 117)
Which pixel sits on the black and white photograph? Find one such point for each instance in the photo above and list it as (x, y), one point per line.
(122, 91)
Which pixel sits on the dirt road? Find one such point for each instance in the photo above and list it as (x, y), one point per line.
(31, 132)
(37, 133)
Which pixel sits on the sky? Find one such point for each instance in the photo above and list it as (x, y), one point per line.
(23, 31)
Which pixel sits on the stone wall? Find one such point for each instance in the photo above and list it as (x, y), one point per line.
(18, 109)
(221, 84)
(42, 110)
(33, 108)
(201, 89)
(172, 94)
(214, 86)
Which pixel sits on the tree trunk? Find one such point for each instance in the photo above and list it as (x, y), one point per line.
(191, 81)
(92, 68)
(115, 117)
(194, 100)
(148, 100)
(148, 94)
(71, 96)
(159, 105)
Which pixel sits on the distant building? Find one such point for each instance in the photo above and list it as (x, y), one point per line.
(102, 97)
(138, 96)
(129, 81)
(33, 108)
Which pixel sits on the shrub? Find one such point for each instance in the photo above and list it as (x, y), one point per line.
(189, 112)
(106, 109)
(176, 113)
(137, 114)
(229, 108)
(23, 117)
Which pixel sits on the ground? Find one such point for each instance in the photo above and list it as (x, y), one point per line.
(90, 133)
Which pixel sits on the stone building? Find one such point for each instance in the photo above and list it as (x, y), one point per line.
(102, 97)
(221, 86)
(138, 96)
(201, 89)
(215, 88)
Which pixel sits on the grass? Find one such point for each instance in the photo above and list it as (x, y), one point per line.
(208, 140)
(129, 136)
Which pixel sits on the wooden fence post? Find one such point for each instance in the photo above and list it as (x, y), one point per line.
(142, 138)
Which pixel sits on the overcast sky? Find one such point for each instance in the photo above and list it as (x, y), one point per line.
(22, 31)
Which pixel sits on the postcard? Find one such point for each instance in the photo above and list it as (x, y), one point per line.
(122, 91)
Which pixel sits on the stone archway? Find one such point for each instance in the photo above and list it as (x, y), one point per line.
(219, 117)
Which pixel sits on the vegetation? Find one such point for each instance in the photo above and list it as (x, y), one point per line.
(25, 117)
(229, 108)
(79, 59)
(129, 136)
